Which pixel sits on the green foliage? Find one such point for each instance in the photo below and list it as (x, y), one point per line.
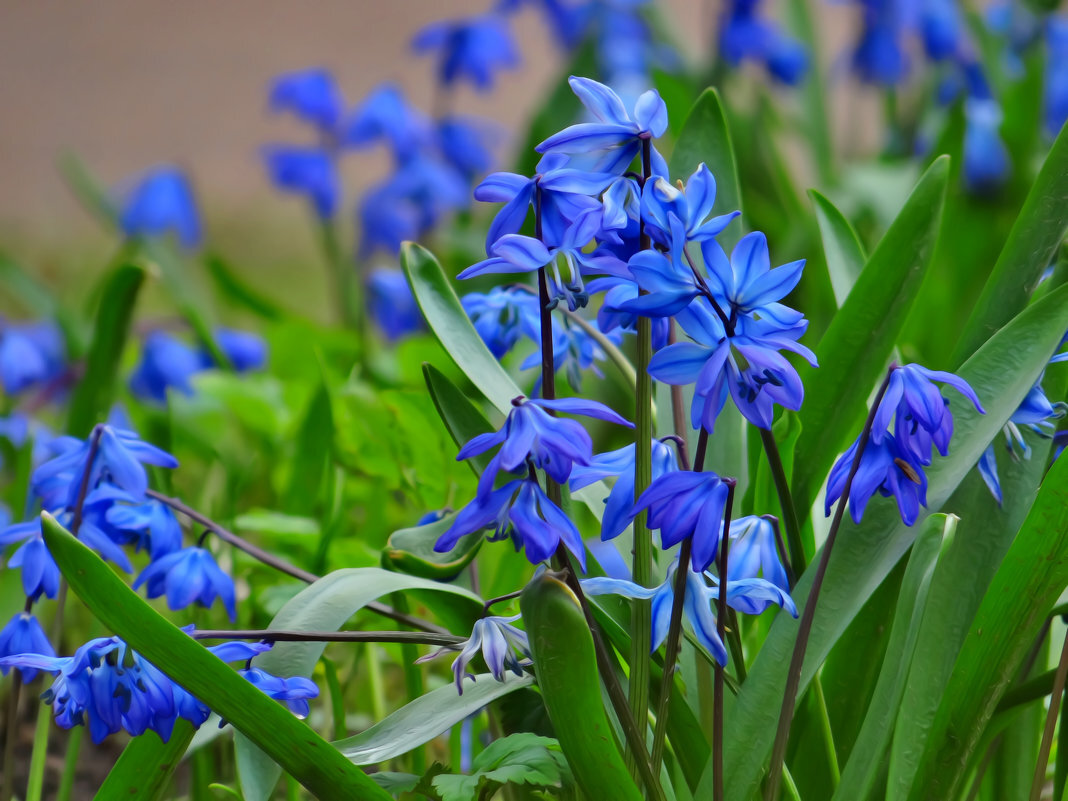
(516, 759)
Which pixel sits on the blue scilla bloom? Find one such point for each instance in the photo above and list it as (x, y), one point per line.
(30, 354)
(385, 114)
(619, 464)
(692, 205)
(190, 575)
(120, 460)
(502, 315)
(879, 57)
(884, 468)
(1035, 413)
(515, 253)
(616, 134)
(166, 363)
(503, 647)
(40, 574)
(747, 366)
(747, 284)
(986, 159)
(921, 415)
(574, 352)
(563, 193)
(687, 504)
(162, 202)
(293, 691)
(668, 285)
(307, 171)
(471, 49)
(613, 314)
(409, 203)
(941, 26)
(754, 552)
(520, 510)
(244, 350)
(392, 305)
(24, 635)
(553, 444)
(387, 218)
(745, 36)
(1055, 87)
(312, 95)
(467, 144)
(149, 524)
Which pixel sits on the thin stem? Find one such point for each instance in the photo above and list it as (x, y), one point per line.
(793, 676)
(70, 763)
(548, 361)
(721, 623)
(678, 411)
(798, 561)
(281, 565)
(39, 755)
(500, 599)
(271, 635)
(87, 472)
(1051, 724)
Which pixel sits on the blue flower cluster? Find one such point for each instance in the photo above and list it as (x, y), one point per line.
(31, 355)
(745, 35)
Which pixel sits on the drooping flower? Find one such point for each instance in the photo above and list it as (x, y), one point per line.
(685, 505)
(188, 576)
(503, 647)
(692, 205)
(391, 304)
(30, 354)
(502, 315)
(24, 635)
(162, 202)
(884, 468)
(386, 114)
(312, 95)
(754, 552)
(746, 36)
(166, 363)
(471, 49)
(293, 691)
(40, 574)
(307, 171)
(244, 350)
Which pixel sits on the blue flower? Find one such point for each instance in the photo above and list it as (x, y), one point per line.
(467, 144)
(40, 574)
(878, 57)
(188, 576)
(24, 635)
(392, 306)
(884, 468)
(1055, 87)
(747, 284)
(574, 351)
(941, 28)
(308, 171)
(620, 464)
(754, 552)
(244, 350)
(687, 504)
(162, 202)
(745, 36)
(692, 206)
(616, 133)
(150, 524)
(387, 219)
(30, 353)
(986, 159)
(294, 691)
(614, 314)
(386, 114)
(471, 49)
(166, 363)
(312, 95)
(503, 647)
(502, 315)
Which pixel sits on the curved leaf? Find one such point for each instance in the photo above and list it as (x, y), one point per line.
(464, 420)
(861, 337)
(411, 551)
(843, 251)
(1002, 372)
(307, 757)
(428, 716)
(146, 765)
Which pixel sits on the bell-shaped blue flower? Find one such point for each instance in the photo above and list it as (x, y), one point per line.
(150, 524)
(986, 159)
(471, 49)
(467, 144)
(502, 316)
(884, 468)
(30, 354)
(1055, 87)
(40, 574)
(162, 202)
(754, 552)
(386, 114)
(188, 576)
(687, 505)
(166, 363)
(293, 691)
(244, 350)
(307, 171)
(24, 635)
(503, 647)
(312, 95)
(879, 57)
(392, 305)
(692, 205)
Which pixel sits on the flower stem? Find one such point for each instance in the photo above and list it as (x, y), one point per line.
(721, 626)
(281, 635)
(35, 782)
(70, 763)
(793, 676)
(11, 735)
(341, 274)
(1051, 723)
(798, 561)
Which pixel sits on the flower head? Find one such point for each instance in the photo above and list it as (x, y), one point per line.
(687, 504)
(312, 95)
(24, 635)
(308, 171)
(30, 353)
(188, 576)
(470, 49)
(503, 647)
(392, 306)
(161, 202)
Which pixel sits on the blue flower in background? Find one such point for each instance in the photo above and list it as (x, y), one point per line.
(166, 363)
(188, 576)
(986, 159)
(503, 647)
(244, 350)
(941, 28)
(386, 114)
(307, 171)
(24, 635)
(392, 306)
(471, 49)
(1055, 86)
(387, 219)
(687, 504)
(574, 352)
(161, 202)
(294, 691)
(745, 36)
(502, 316)
(879, 57)
(467, 144)
(30, 354)
(312, 95)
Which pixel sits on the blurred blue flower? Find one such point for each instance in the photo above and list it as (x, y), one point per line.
(1055, 86)
(386, 114)
(312, 95)
(307, 171)
(574, 352)
(502, 315)
(941, 28)
(188, 576)
(471, 49)
(166, 363)
(293, 691)
(687, 504)
(879, 57)
(392, 305)
(244, 350)
(161, 202)
(745, 36)
(986, 159)
(30, 354)
(503, 647)
(467, 144)
(24, 635)
(386, 219)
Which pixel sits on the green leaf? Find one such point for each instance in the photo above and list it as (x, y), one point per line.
(95, 391)
(146, 765)
(1029, 250)
(411, 550)
(1031, 577)
(522, 758)
(1001, 372)
(461, 417)
(869, 749)
(311, 459)
(447, 319)
(566, 666)
(288, 741)
(861, 337)
(841, 247)
(233, 286)
(428, 716)
(323, 606)
(706, 138)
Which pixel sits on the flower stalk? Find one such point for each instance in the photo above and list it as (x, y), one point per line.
(721, 625)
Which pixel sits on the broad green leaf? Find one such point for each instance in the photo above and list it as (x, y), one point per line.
(411, 550)
(869, 749)
(843, 251)
(94, 393)
(1001, 372)
(450, 324)
(463, 419)
(146, 765)
(1032, 243)
(861, 337)
(235, 287)
(706, 138)
(522, 758)
(1031, 577)
(963, 575)
(295, 747)
(323, 606)
(421, 720)
(566, 666)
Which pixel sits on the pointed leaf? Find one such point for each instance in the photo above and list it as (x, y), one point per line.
(146, 765)
(843, 251)
(463, 419)
(411, 551)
